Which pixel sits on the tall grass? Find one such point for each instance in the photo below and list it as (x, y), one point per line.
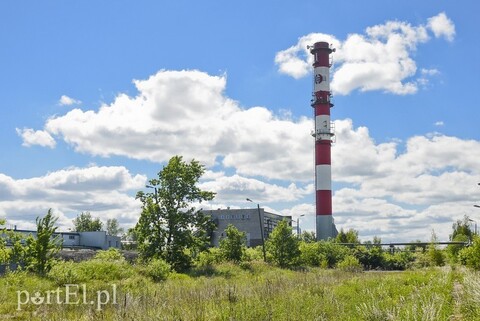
(254, 292)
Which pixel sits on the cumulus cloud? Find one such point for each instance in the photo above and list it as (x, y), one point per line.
(187, 113)
(235, 188)
(442, 26)
(104, 191)
(67, 101)
(379, 59)
(36, 137)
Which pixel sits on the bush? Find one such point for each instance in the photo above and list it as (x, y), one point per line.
(209, 257)
(66, 272)
(454, 249)
(254, 254)
(283, 245)
(350, 264)
(157, 270)
(110, 255)
(311, 255)
(470, 256)
(232, 246)
(436, 256)
(370, 257)
(398, 261)
(333, 252)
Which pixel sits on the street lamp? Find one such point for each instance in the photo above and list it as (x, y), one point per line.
(261, 230)
(298, 224)
(155, 188)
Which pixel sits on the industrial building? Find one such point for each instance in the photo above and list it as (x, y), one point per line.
(252, 221)
(98, 240)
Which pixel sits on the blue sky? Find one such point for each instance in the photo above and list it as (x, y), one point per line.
(97, 96)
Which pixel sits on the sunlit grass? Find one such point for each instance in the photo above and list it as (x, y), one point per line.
(257, 292)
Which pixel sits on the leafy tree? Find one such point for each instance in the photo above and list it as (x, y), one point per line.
(454, 249)
(283, 245)
(311, 254)
(351, 236)
(462, 227)
(4, 253)
(42, 249)
(113, 227)
(233, 246)
(86, 223)
(170, 227)
(308, 237)
(435, 255)
(470, 256)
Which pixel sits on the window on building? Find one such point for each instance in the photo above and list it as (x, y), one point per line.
(71, 237)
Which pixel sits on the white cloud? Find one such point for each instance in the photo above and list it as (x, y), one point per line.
(442, 26)
(399, 191)
(187, 113)
(439, 123)
(36, 137)
(235, 189)
(67, 101)
(380, 59)
(104, 191)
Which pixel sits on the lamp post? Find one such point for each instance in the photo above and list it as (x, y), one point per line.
(261, 230)
(298, 225)
(155, 188)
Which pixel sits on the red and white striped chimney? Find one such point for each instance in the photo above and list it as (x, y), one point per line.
(323, 140)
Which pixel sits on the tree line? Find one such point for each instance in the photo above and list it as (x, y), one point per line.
(173, 232)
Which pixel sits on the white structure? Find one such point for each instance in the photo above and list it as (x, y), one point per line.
(94, 240)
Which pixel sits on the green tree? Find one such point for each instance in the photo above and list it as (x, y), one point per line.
(462, 227)
(351, 236)
(283, 245)
(435, 255)
(470, 256)
(308, 237)
(43, 248)
(113, 227)
(233, 246)
(86, 223)
(170, 227)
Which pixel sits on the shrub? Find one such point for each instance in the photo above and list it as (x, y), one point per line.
(106, 270)
(350, 264)
(311, 255)
(470, 256)
(209, 257)
(66, 272)
(283, 245)
(333, 252)
(370, 257)
(111, 254)
(157, 270)
(454, 249)
(253, 254)
(232, 246)
(398, 261)
(436, 256)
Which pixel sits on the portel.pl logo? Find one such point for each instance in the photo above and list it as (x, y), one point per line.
(72, 294)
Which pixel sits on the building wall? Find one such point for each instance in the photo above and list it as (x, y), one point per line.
(98, 239)
(245, 220)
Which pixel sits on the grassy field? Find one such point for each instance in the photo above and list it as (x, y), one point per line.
(254, 292)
